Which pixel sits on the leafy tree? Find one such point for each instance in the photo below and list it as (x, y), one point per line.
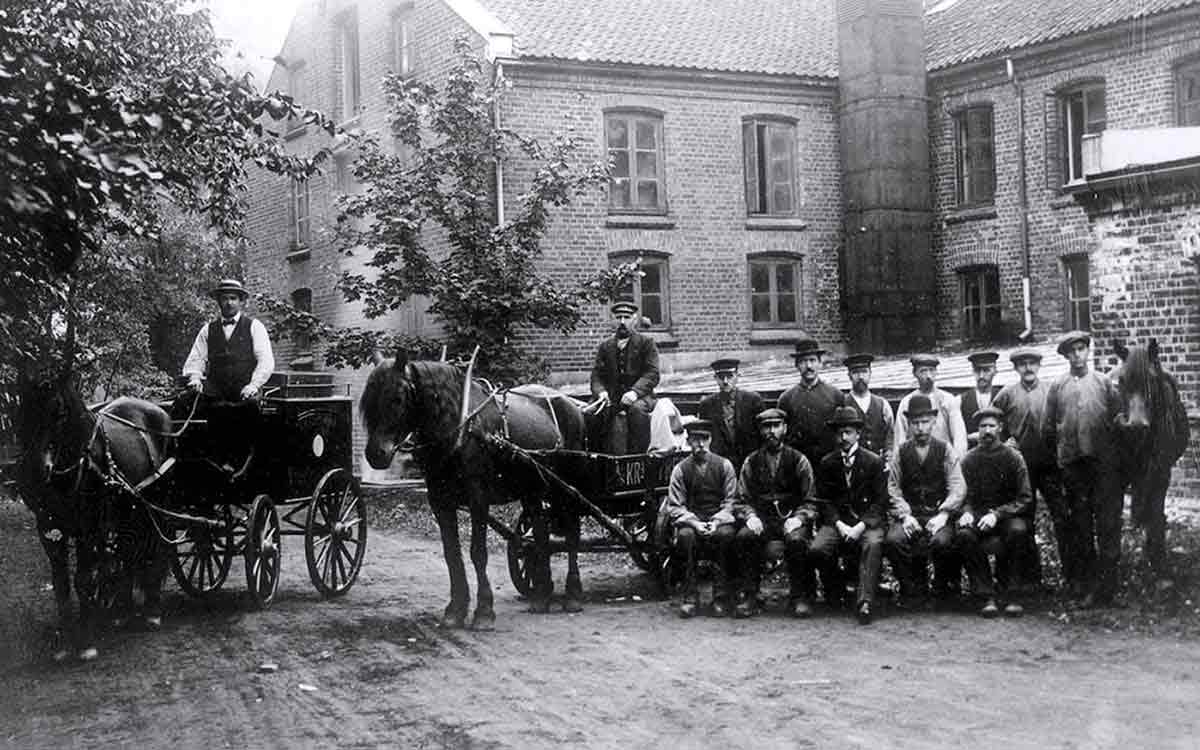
(427, 216)
(110, 110)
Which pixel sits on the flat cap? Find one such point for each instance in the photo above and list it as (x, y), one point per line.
(856, 361)
(924, 360)
(1025, 353)
(980, 359)
(699, 427)
(1070, 338)
(624, 306)
(989, 411)
(768, 416)
(725, 364)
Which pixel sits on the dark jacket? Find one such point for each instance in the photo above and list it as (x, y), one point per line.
(788, 493)
(864, 499)
(743, 440)
(997, 482)
(808, 409)
(878, 424)
(969, 404)
(640, 371)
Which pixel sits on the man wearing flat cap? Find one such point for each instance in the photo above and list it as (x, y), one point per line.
(624, 374)
(983, 365)
(926, 488)
(993, 518)
(229, 362)
(878, 430)
(1082, 407)
(852, 496)
(1024, 406)
(700, 503)
(731, 411)
(775, 505)
(809, 404)
(948, 425)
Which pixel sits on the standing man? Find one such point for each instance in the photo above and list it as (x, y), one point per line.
(993, 515)
(732, 411)
(228, 364)
(852, 490)
(948, 425)
(983, 364)
(1024, 405)
(878, 430)
(926, 487)
(1079, 426)
(624, 375)
(810, 404)
(775, 491)
(700, 502)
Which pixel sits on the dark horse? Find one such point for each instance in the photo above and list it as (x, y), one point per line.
(1157, 435)
(463, 470)
(75, 470)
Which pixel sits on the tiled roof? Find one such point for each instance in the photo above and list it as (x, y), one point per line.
(779, 37)
(973, 29)
(785, 37)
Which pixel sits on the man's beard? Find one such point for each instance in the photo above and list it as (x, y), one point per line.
(773, 444)
(987, 440)
(860, 387)
(622, 332)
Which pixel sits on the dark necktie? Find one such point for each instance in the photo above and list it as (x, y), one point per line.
(228, 321)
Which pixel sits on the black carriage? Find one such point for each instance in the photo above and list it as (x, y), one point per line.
(622, 494)
(300, 482)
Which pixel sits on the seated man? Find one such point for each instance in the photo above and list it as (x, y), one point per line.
(624, 375)
(926, 487)
(992, 520)
(775, 490)
(229, 362)
(700, 502)
(852, 489)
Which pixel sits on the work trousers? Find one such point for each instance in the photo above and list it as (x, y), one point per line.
(829, 550)
(910, 558)
(691, 547)
(1007, 540)
(751, 549)
(1094, 500)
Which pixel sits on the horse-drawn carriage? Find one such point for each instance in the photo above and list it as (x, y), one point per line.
(300, 482)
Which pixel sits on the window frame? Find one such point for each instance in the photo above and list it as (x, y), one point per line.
(773, 260)
(1068, 127)
(1071, 265)
(403, 44)
(663, 262)
(300, 222)
(966, 143)
(1183, 70)
(297, 72)
(757, 160)
(979, 273)
(302, 340)
(631, 118)
(347, 54)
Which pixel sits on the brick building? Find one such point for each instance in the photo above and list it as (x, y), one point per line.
(1063, 193)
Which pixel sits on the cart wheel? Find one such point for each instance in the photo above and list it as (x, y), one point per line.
(520, 555)
(642, 551)
(201, 563)
(262, 551)
(335, 535)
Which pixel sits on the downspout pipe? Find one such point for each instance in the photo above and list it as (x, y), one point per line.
(1022, 202)
(497, 86)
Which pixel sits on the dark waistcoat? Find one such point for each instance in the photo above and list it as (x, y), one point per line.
(765, 489)
(923, 484)
(230, 363)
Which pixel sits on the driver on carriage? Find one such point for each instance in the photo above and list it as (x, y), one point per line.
(229, 362)
(624, 375)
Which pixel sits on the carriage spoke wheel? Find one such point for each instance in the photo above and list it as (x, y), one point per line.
(335, 534)
(201, 563)
(521, 555)
(263, 551)
(642, 552)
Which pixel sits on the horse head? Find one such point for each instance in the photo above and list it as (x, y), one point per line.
(52, 428)
(1139, 379)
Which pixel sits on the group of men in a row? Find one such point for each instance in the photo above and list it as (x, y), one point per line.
(837, 479)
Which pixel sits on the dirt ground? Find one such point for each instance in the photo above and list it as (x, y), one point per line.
(374, 670)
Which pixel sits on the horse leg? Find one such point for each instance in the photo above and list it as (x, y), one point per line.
(543, 585)
(485, 616)
(460, 594)
(153, 575)
(60, 576)
(574, 599)
(1152, 492)
(87, 559)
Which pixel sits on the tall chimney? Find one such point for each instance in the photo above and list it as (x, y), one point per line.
(889, 283)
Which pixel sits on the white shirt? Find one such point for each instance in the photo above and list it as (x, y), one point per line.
(864, 401)
(196, 365)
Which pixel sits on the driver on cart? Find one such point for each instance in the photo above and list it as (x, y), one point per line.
(229, 362)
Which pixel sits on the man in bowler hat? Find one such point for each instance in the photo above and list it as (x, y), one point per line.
(809, 404)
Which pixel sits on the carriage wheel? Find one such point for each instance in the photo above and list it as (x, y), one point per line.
(263, 551)
(520, 555)
(201, 564)
(642, 553)
(335, 534)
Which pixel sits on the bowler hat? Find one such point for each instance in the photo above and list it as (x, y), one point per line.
(1025, 353)
(769, 416)
(919, 405)
(924, 360)
(229, 285)
(988, 411)
(858, 361)
(1068, 340)
(727, 364)
(699, 427)
(806, 347)
(624, 306)
(846, 416)
(982, 359)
